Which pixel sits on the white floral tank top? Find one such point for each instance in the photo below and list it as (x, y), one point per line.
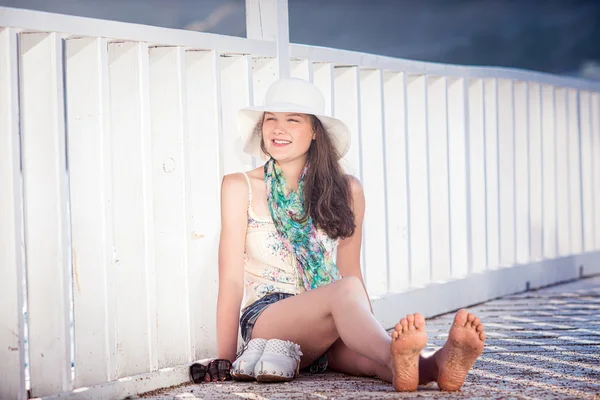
(268, 265)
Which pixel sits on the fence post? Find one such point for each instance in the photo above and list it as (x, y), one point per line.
(268, 20)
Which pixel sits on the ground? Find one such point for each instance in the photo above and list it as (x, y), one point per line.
(540, 344)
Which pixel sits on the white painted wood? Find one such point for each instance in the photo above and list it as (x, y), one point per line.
(168, 114)
(522, 175)
(595, 133)
(439, 190)
(477, 288)
(492, 172)
(347, 102)
(302, 69)
(132, 209)
(412, 67)
(264, 73)
(375, 240)
(418, 173)
(90, 184)
(73, 26)
(562, 173)
(536, 200)
(506, 171)
(458, 167)
(268, 20)
(575, 223)
(477, 176)
(45, 211)
(587, 180)
(204, 172)
(323, 78)
(12, 349)
(236, 92)
(396, 166)
(549, 171)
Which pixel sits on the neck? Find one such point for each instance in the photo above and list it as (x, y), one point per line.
(292, 169)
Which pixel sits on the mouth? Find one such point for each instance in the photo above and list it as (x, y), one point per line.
(280, 142)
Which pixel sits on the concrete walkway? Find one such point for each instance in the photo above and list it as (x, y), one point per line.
(541, 344)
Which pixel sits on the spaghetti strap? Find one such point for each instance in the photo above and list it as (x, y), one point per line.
(249, 189)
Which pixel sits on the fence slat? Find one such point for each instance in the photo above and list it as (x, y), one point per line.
(458, 126)
(395, 120)
(506, 171)
(492, 172)
(587, 176)
(168, 113)
(418, 176)
(347, 102)
(12, 349)
(89, 148)
(324, 78)
(439, 191)
(595, 133)
(374, 178)
(477, 175)
(237, 89)
(521, 95)
(576, 226)
(562, 173)
(549, 171)
(302, 69)
(132, 207)
(45, 210)
(205, 169)
(536, 199)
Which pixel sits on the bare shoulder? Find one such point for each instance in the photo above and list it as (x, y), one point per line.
(355, 186)
(256, 173)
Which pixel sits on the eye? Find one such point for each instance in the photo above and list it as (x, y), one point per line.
(293, 120)
(270, 119)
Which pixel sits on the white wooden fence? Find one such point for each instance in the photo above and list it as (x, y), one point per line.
(114, 138)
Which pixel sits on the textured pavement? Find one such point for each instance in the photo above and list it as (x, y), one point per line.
(540, 345)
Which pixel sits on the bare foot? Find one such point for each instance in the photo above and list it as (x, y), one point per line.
(408, 340)
(463, 347)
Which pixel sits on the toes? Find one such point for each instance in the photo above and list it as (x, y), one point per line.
(460, 319)
(482, 336)
(419, 321)
(470, 320)
(411, 321)
(395, 334)
(479, 328)
(398, 327)
(404, 323)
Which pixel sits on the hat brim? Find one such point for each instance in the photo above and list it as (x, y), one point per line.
(249, 117)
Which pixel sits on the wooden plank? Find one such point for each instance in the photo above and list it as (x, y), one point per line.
(492, 172)
(324, 77)
(396, 159)
(521, 109)
(347, 102)
(90, 185)
(587, 172)
(562, 173)
(302, 69)
(536, 199)
(477, 176)
(237, 92)
(575, 222)
(205, 170)
(132, 209)
(418, 177)
(45, 212)
(458, 168)
(595, 133)
(168, 170)
(375, 244)
(12, 336)
(549, 171)
(506, 171)
(439, 190)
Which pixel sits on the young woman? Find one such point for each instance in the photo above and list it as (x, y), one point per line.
(282, 223)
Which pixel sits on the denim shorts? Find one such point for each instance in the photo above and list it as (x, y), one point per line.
(251, 313)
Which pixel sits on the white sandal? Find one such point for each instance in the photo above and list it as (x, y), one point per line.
(242, 368)
(280, 362)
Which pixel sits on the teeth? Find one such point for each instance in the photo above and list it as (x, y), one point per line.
(281, 141)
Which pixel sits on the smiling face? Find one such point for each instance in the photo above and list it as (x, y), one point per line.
(287, 136)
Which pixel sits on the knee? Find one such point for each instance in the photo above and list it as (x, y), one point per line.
(350, 286)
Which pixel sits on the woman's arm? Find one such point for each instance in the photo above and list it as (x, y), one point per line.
(234, 220)
(348, 253)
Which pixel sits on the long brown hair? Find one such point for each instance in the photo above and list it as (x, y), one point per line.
(327, 191)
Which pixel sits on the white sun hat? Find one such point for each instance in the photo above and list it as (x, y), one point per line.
(291, 95)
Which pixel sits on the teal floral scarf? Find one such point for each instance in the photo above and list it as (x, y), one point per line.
(287, 206)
